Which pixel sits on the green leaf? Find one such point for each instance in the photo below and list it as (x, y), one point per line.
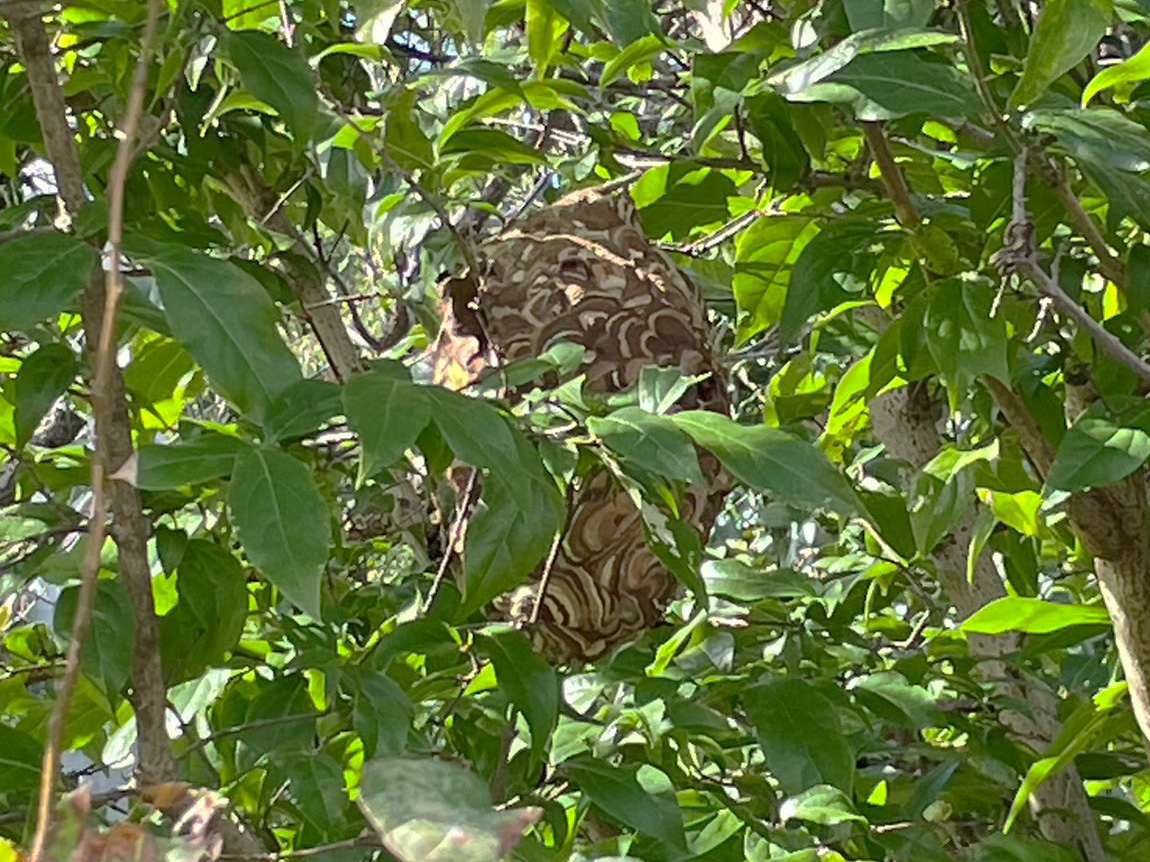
(735, 580)
(530, 682)
(316, 784)
(891, 696)
(107, 653)
(227, 322)
(793, 81)
(431, 811)
(897, 83)
(157, 369)
(20, 756)
(1097, 451)
(544, 30)
(382, 712)
(772, 119)
(770, 460)
(801, 736)
(649, 441)
(617, 792)
(1032, 616)
(639, 51)
(507, 538)
(765, 255)
(822, 804)
(839, 259)
(890, 14)
(1098, 138)
(1067, 31)
(1080, 731)
(208, 619)
(578, 12)
(203, 459)
(629, 20)
(406, 143)
(677, 197)
(473, 145)
(388, 412)
(41, 274)
(303, 407)
(1131, 71)
(43, 377)
(965, 341)
(283, 523)
(277, 75)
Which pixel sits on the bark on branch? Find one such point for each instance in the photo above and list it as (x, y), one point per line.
(113, 432)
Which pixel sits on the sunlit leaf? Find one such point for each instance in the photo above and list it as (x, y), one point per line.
(277, 75)
(1067, 31)
(1033, 616)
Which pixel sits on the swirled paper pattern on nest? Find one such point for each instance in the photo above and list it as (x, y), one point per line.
(583, 271)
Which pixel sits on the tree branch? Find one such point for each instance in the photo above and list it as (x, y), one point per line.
(113, 437)
(897, 189)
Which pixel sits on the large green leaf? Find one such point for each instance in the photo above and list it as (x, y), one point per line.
(275, 74)
(1067, 31)
(964, 338)
(431, 811)
(893, 14)
(618, 793)
(897, 83)
(1097, 451)
(531, 683)
(20, 755)
(316, 784)
(649, 441)
(1033, 616)
(677, 197)
(202, 459)
(227, 322)
(507, 538)
(382, 712)
(1099, 137)
(283, 522)
(107, 654)
(770, 460)
(1131, 71)
(43, 377)
(820, 804)
(41, 273)
(764, 259)
(208, 619)
(388, 412)
(801, 736)
(838, 259)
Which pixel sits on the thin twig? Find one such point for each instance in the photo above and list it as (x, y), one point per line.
(1104, 338)
(552, 555)
(974, 61)
(1018, 256)
(1108, 264)
(897, 189)
(453, 534)
(259, 724)
(306, 852)
(33, 44)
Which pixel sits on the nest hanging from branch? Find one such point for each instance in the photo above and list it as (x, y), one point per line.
(583, 271)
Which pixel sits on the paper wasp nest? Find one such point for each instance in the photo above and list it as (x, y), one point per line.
(583, 271)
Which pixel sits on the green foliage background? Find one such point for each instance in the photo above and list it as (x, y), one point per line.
(813, 695)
